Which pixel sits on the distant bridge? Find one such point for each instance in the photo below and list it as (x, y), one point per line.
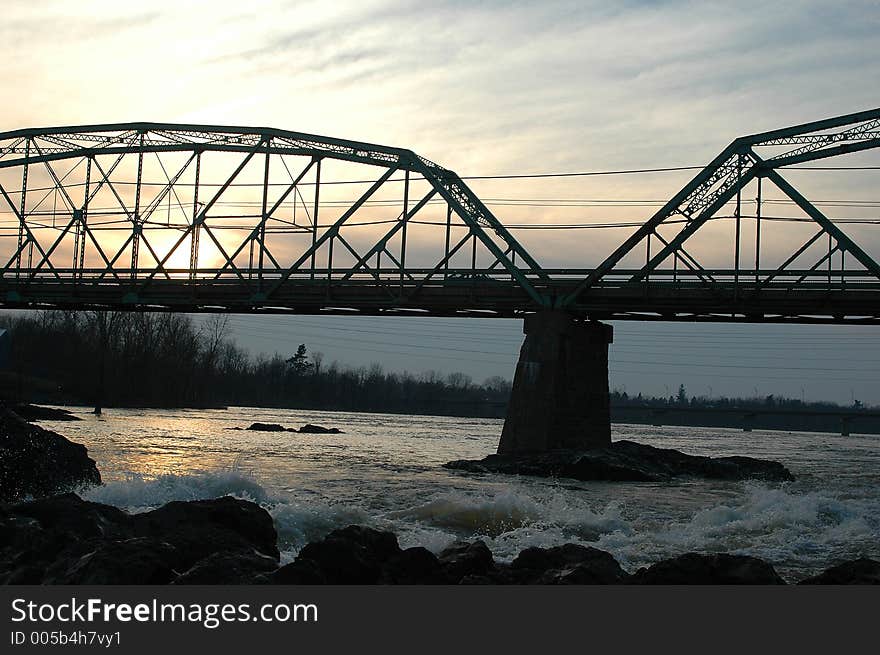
(195, 218)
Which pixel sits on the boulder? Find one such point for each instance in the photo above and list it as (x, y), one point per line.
(715, 569)
(858, 571)
(352, 555)
(36, 413)
(300, 571)
(35, 462)
(462, 559)
(66, 540)
(413, 566)
(567, 564)
(269, 427)
(136, 560)
(199, 528)
(626, 461)
(308, 428)
(235, 567)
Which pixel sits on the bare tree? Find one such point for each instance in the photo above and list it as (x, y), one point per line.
(106, 325)
(317, 359)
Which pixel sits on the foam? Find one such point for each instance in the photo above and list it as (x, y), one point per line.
(798, 530)
(136, 493)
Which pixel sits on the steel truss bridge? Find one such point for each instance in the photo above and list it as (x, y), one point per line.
(196, 218)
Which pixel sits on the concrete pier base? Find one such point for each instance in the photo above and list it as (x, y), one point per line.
(560, 389)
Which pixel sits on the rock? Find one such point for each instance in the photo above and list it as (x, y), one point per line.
(478, 580)
(352, 555)
(36, 413)
(199, 528)
(308, 428)
(463, 559)
(858, 571)
(66, 540)
(413, 566)
(626, 461)
(269, 427)
(138, 560)
(75, 518)
(36, 462)
(695, 568)
(301, 571)
(567, 564)
(229, 568)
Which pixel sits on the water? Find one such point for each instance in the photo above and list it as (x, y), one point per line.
(385, 471)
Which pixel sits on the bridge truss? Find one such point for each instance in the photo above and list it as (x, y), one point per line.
(147, 216)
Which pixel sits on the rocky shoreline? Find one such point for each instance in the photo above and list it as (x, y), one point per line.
(59, 538)
(37, 462)
(67, 540)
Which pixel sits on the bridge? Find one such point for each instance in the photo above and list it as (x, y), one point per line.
(197, 218)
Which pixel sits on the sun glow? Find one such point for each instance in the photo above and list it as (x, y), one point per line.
(178, 261)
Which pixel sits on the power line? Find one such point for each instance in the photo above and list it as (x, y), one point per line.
(703, 364)
(508, 176)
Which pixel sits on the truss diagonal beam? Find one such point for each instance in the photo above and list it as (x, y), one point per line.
(383, 240)
(256, 231)
(842, 239)
(736, 166)
(693, 226)
(333, 230)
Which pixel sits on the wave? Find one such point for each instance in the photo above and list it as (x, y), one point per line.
(297, 522)
(787, 528)
(136, 493)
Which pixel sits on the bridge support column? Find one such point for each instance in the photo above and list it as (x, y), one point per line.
(560, 390)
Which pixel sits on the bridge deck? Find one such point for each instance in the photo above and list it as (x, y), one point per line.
(729, 297)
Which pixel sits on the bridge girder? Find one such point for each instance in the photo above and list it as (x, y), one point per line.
(724, 179)
(87, 144)
(79, 165)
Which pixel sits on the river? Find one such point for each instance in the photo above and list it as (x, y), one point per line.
(384, 471)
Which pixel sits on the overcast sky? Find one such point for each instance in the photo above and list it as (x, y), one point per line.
(494, 88)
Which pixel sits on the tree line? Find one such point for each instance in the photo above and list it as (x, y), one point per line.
(682, 399)
(168, 360)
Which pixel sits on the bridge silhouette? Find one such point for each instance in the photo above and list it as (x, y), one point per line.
(197, 218)
(148, 216)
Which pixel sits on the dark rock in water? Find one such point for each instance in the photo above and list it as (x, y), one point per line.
(466, 559)
(567, 564)
(199, 528)
(698, 569)
(859, 571)
(37, 462)
(308, 428)
(269, 427)
(413, 566)
(66, 540)
(73, 517)
(228, 568)
(140, 559)
(362, 555)
(480, 580)
(36, 413)
(352, 555)
(626, 461)
(300, 571)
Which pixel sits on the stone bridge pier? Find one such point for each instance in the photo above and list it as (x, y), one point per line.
(560, 393)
